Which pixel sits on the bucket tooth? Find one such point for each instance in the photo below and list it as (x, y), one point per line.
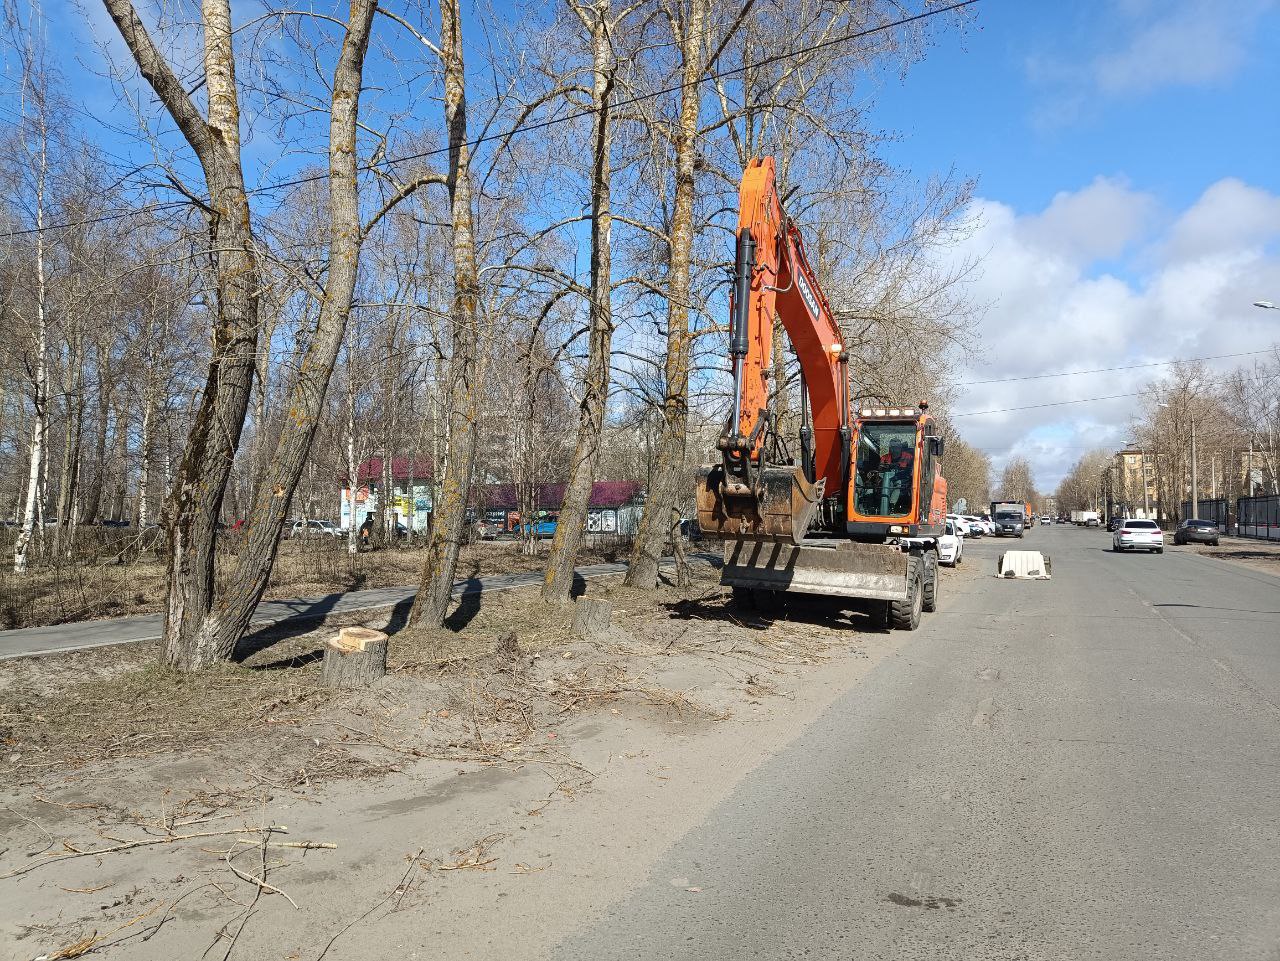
(779, 508)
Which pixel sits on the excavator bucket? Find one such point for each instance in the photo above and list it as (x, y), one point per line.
(778, 509)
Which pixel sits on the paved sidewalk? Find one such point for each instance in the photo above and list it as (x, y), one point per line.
(60, 638)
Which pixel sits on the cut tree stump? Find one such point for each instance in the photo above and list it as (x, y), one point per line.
(355, 658)
(507, 646)
(591, 618)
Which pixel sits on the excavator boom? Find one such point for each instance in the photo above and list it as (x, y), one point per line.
(749, 493)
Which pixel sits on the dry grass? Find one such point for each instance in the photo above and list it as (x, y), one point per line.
(146, 709)
(118, 703)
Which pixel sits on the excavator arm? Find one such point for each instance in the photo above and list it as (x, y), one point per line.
(759, 490)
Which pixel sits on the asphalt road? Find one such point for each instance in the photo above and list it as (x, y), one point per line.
(1085, 767)
(61, 638)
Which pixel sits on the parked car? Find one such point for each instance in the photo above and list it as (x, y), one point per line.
(1092, 522)
(1196, 532)
(1134, 534)
(314, 529)
(1045, 521)
(1008, 524)
(960, 524)
(950, 547)
(982, 522)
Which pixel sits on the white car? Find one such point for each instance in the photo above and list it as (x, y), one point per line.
(1135, 534)
(961, 525)
(977, 525)
(314, 529)
(950, 546)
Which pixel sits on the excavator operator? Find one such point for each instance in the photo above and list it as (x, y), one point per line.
(896, 466)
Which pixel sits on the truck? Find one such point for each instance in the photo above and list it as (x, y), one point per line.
(1085, 518)
(852, 503)
(1010, 518)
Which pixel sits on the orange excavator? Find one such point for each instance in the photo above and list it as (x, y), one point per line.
(857, 510)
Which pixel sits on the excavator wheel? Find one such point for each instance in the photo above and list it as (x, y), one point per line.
(905, 615)
(931, 582)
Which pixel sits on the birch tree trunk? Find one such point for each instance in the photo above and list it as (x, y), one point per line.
(557, 581)
(661, 518)
(467, 368)
(305, 402)
(40, 391)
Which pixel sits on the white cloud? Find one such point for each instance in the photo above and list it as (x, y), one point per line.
(1179, 286)
(1192, 43)
(1144, 46)
(1231, 217)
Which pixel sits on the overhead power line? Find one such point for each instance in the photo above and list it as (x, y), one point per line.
(1107, 370)
(577, 115)
(1057, 403)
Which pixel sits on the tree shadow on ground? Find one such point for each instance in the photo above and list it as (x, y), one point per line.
(469, 602)
(1208, 607)
(767, 608)
(258, 641)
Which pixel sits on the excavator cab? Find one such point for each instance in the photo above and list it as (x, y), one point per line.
(897, 489)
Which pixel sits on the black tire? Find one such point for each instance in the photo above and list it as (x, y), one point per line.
(959, 558)
(931, 583)
(1159, 550)
(905, 615)
(1213, 543)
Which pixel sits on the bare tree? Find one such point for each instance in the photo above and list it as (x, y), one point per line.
(1016, 481)
(602, 25)
(306, 397)
(192, 633)
(36, 138)
(467, 375)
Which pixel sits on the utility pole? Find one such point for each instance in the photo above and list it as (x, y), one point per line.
(1195, 491)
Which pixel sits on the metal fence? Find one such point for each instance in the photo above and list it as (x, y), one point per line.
(1216, 509)
(1259, 517)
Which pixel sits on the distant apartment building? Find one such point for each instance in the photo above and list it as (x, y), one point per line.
(1134, 482)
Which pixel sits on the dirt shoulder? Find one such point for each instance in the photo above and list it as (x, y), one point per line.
(1243, 552)
(252, 813)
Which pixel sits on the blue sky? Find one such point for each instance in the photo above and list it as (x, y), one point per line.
(1127, 156)
(1024, 100)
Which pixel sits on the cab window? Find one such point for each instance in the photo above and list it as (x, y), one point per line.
(885, 466)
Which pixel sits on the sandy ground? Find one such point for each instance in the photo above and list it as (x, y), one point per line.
(467, 807)
(1246, 552)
